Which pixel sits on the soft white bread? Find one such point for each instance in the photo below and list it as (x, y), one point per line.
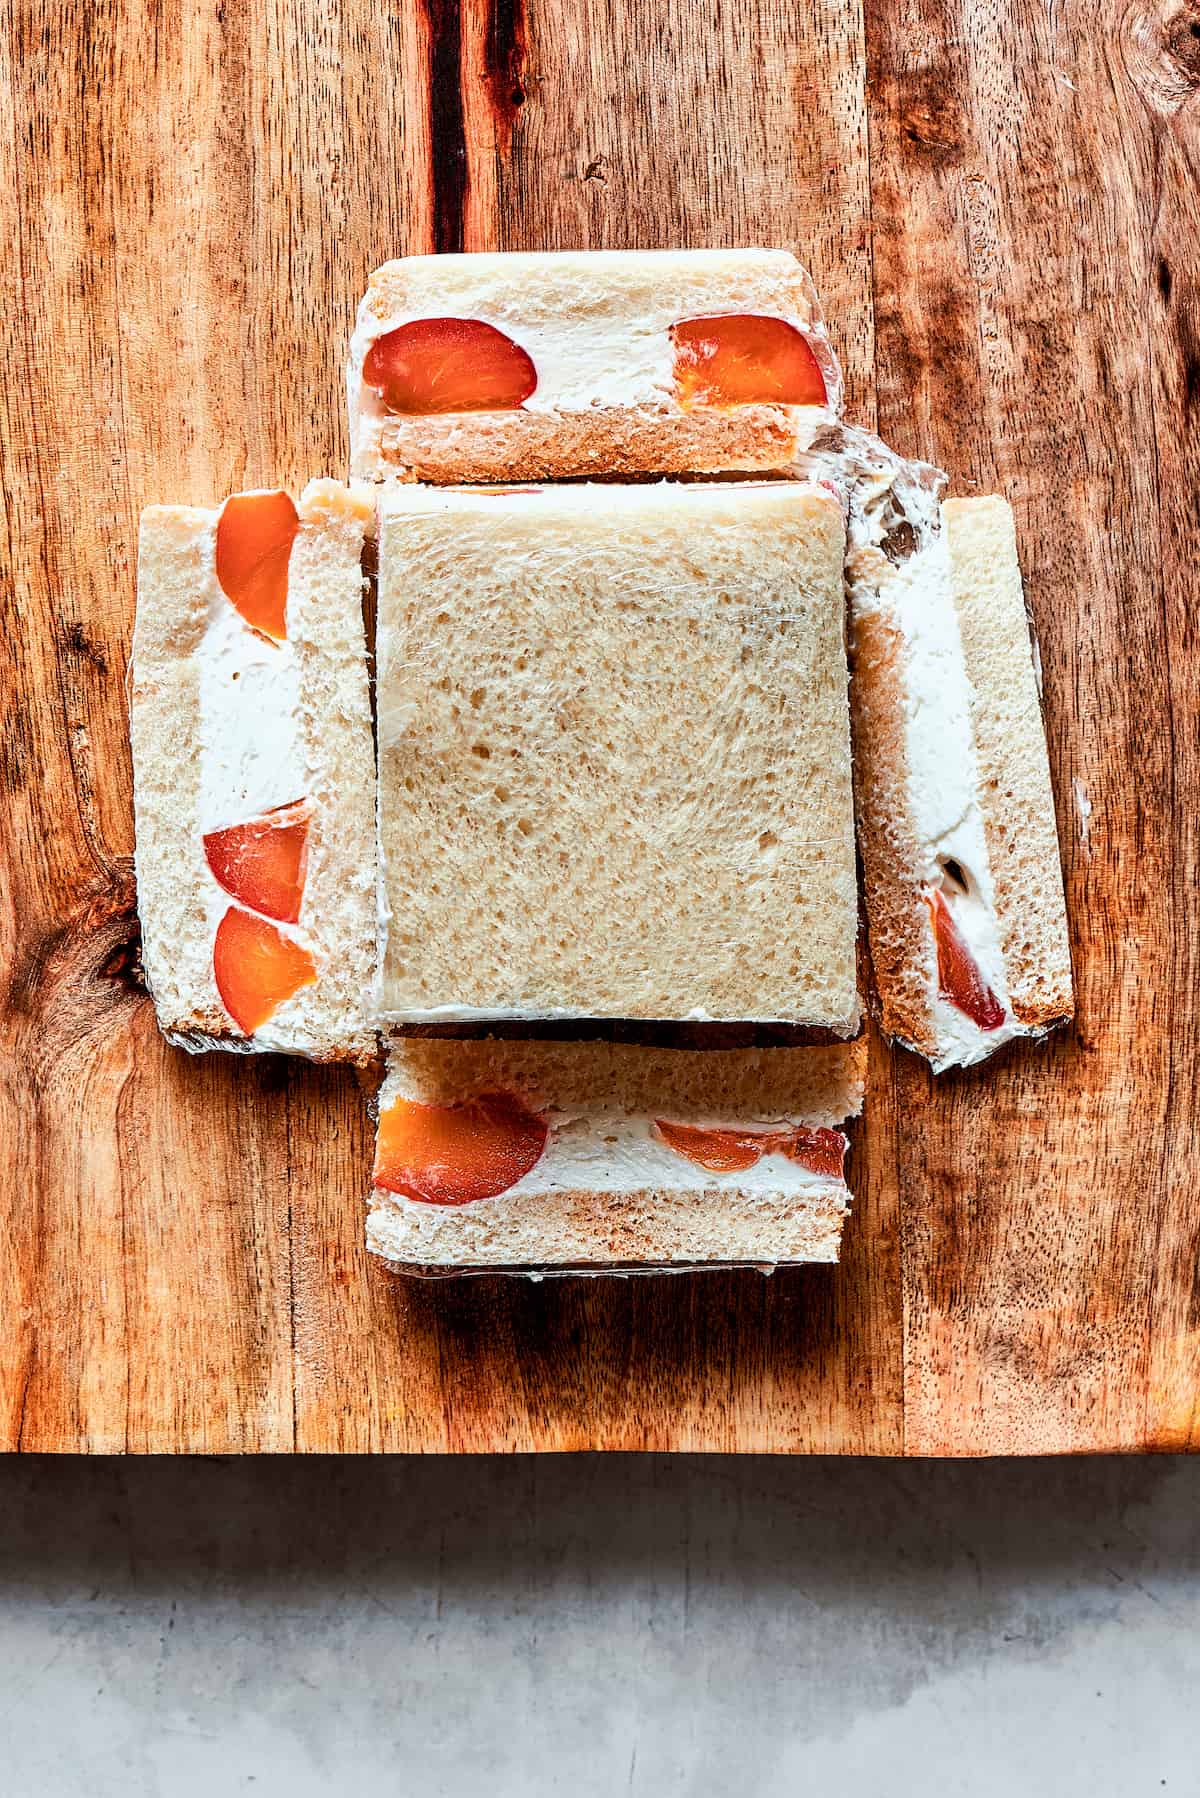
(226, 726)
(607, 1189)
(956, 814)
(596, 326)
(614, 776)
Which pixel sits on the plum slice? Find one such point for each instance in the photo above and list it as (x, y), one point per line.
(457, 1154)
(255, 533)
(263, 862)
(959, 977)
(449, 365)
(257, 967)
(745, 359)
(821, 1151)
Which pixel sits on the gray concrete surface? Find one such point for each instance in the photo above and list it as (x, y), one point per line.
(599, 1626)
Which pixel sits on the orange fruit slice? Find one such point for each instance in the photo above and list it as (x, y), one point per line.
(255, 533)
(256, 968)
(262, 863)
(745, 359)
(456, 1154)
(449, 365)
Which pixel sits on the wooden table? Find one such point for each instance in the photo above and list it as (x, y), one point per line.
(998, 200)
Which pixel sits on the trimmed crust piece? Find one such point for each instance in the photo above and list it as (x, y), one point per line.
(952, 782)
(1014, 769)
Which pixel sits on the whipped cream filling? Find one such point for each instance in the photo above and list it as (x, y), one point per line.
(251, 758)
(943, 785)
(917, 595)
(251, 761)
(585, 364)
(622, 1152)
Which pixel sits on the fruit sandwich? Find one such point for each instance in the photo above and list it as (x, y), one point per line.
(612, 777)
(601, 363)
(559, 1155)
(254, 772)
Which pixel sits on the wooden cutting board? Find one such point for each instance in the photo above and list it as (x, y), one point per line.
(998, 200)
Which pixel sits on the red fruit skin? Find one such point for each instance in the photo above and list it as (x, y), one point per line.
(262, 863)
(959, 977)
(433, 365)
(733, 1151)
(257, 967)
(820, 1151)
(255, 533)
(745, 359)
(457, 1154)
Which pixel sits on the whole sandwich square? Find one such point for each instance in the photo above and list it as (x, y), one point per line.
(614, 761)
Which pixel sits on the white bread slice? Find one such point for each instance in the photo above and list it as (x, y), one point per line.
(596, 325)
(607, 1190)
(1016, 795)
(951, 773)
(614, 755)
(226, 726)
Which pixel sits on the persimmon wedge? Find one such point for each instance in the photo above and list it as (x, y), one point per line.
(255, 533)
(449, 365)
(745, 359)
(821, 1151)
(457, 1154)
(262, 862)
(257, 967)
(958, 973)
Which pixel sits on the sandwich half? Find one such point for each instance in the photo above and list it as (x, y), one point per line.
(614, 759)
(605, 362)
(253, 770)
(532, 1154)
(964, 894)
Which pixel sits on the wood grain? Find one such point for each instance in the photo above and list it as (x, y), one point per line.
(998, 201)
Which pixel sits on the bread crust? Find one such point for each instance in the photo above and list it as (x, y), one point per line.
(479, 447)
(642, 1227)
(175, 581)
(808, 1085)
(900, 939)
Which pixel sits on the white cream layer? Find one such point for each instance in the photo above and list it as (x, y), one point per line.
(584, 365)
(943, 775)
(943, 787)
(621, 1152)
(251, 761)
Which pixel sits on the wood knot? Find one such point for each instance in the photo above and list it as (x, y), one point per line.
(76, 642)
(506, 45)
(1161, 51)
(70, 976)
